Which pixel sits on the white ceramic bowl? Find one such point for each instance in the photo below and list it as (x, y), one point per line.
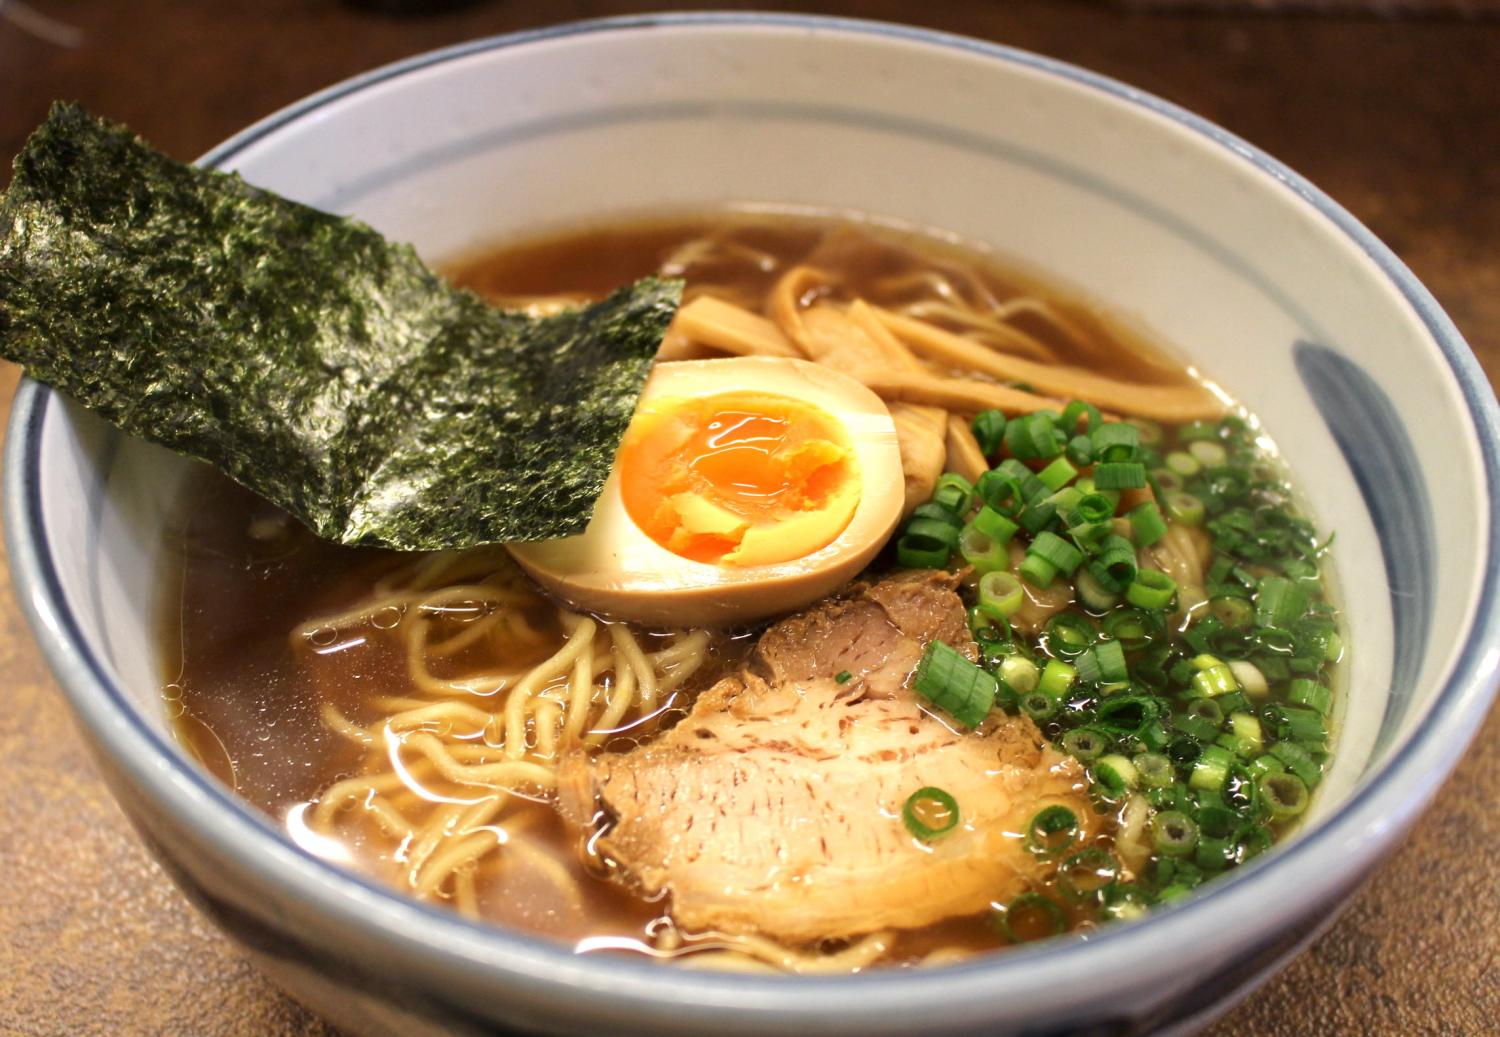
(1265, 283)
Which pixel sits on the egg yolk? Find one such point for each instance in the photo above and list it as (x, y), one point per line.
(739, 478)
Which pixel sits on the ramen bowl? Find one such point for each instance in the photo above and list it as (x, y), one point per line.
(1261, 281)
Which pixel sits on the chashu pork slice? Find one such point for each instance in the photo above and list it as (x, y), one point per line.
(775, 806)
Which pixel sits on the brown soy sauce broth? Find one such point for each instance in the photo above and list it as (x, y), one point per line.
(248, 707)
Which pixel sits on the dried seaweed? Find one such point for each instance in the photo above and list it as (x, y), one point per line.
(304, 355)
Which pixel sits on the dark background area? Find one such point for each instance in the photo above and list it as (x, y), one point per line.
(1397, 119)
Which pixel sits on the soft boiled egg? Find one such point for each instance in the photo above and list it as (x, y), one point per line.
(743, 488)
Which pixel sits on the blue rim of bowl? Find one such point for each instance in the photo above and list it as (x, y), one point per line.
(1294, 878)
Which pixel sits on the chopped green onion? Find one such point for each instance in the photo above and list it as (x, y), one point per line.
(1119, 475)
(1146, 524)
(1030, 916)
(1001, 591)
(933, 805)
(1092, 593)
(1185, 508)
(1020, 674)
(1155, 770)
(1214, 854)
(1299, 762)
(1114, 566)
(1174, 833)
(1182, 463)
(1285, 795)
(1087, 874)
(844, 677)
(994, 525)
(1052, 831)
(1104, 663)
(1085, 743)
(1263, 765)
(1002, 491)
(1279, 601)
(1057, 678)
(921, 553)
(955, 685)
(1208, 454)
(1215, 680)
(1033, 436)
(955, 493)
(1080, 451)
(1115, 442)
(1079, 409)
(1057, 474)
(1151, 589)
(1211, 769)
(937, 513)
(1068, 635)
(1127, 714)
(932, 531)
(1115, 775)
(1246, 727)
(1037, 571)
(1300, 725)
(981, 551)
(1039, 706)
(989, 430)
(1306, 692)
(1132, 628)
(1196, 430)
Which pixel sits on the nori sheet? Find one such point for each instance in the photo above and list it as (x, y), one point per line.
(301, 353)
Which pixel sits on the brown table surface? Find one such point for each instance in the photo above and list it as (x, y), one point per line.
(1398, 121)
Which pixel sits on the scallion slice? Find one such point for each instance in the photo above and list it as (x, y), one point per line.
(1310, 693)
(930, 812)
(1146, 524)
(921, 553)
(1279, 602)
(1086, 874)
(1285, 795)
(955, 493)
(1085, 743)
(955, 685)
(1211, 769)
(995, 525)
(989, 430)
(1052, 831)
(1114, 566)
(1068, 635)
(1057, 474)
(1151, 589)
(1001, 591)
(1182, 463)
(1115, 442)
(1155, 770)
(1119, 475)
(1115, 775)
(1031, 916)
(981, 551)
(1063, 556)
(1174, 833)
(1185, 508)
(1057, 677)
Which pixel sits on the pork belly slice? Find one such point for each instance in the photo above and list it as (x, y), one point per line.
(774, 807)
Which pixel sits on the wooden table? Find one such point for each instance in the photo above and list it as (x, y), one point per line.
(1399, 121)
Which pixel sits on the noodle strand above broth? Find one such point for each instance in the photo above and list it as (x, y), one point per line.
(428, 718)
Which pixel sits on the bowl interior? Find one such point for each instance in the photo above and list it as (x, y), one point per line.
(1086, 187)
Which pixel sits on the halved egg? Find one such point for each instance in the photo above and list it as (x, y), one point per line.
(743, 488)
